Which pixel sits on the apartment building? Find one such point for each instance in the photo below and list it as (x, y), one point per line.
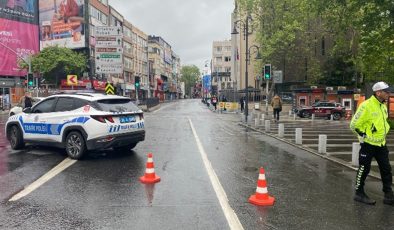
(221, 66)
(161, 56)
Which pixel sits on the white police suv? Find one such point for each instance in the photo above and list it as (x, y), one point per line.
(78, 122)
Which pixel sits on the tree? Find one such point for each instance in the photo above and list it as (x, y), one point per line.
(55, 63)
(190, 75)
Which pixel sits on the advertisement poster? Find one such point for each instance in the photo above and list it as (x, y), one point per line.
(62, 23)
(18, 41)
(19, 10)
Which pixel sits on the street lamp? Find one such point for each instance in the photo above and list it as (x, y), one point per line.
(244, 25)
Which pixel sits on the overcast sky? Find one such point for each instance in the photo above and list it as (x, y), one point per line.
(189, 26)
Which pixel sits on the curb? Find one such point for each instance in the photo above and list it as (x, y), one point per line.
(332, 159)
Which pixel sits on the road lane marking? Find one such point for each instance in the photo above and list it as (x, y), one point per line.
(43, 179)
(231, 216)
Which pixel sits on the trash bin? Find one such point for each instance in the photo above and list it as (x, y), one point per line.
(257, 106)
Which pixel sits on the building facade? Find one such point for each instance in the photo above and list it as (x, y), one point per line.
(221, 66)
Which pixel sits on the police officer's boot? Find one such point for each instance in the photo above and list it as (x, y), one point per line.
(363, 198)
(388, 198)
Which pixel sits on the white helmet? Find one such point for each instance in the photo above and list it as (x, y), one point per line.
(380, 86)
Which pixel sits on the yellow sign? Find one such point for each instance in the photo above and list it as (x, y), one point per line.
(72, 80)
(356, 96)
(221, 105)
(228, 105)
(109, 88)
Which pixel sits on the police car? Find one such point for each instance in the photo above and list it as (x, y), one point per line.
(78, 122)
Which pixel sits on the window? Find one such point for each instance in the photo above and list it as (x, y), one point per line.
(227, 69)
(78, 103)
(218, 59)
(219, 49)
(115, 105)
(227, 59)
(64, 104)
(45, 106)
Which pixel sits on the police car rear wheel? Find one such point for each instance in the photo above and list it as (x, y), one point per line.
(16, 138)
(75, 145)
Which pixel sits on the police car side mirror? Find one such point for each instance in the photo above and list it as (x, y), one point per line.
(27, 110)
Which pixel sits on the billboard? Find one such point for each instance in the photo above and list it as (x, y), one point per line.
(62, 23)
(17, 40)
(19, 10)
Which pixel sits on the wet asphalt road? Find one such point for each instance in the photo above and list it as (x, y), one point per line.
(103, 191)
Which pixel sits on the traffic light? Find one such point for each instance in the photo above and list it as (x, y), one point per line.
(267, 71)
(30, 79)
(137, 82)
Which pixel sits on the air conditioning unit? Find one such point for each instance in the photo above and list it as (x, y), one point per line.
(313, 87)
(329, 88)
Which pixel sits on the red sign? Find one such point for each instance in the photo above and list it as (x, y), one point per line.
(98, 85)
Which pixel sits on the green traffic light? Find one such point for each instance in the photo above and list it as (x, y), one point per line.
(30, 83)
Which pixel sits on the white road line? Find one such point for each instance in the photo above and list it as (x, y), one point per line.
(231, 216)
(46, 177)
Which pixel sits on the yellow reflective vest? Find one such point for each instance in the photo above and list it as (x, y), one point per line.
(371, 122)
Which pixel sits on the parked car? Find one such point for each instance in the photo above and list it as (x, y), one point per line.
(322, 109)
(78, 122)
(18, 108)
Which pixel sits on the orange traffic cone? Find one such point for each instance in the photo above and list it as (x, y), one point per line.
(150, 177)
(261, 197)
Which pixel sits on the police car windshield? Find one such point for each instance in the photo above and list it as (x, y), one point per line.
(117, 105)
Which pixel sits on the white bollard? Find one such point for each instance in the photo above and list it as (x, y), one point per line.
(313, 116)
(289, 112)
(331, 117)
(322, 144)
(267, 126)
(256, 122)
(355, 153)
(263, 116)
(281, 130)
(294, 115)
(298, 136)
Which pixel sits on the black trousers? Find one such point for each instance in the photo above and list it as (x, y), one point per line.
(276, 114)
(381, 154)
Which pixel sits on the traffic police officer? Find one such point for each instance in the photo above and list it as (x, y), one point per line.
(371, 124)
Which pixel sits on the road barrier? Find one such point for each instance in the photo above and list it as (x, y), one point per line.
(322, 144)
(281, 130)
(261, 197)
(298, 136)
(150, 176)
(267, 126)
(355, 153)
(256, 121)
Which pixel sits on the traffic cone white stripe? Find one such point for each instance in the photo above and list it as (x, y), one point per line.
(148, 170)
(150, 160)
(262, 190)
(261, 176)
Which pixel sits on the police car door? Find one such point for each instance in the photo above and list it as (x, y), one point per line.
(61, 116)
(35, 123)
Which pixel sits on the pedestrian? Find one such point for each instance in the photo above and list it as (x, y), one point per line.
(214, 101)
(224, 99)
(276, 104)
(26, 101)
(371, 124)
(242, 103)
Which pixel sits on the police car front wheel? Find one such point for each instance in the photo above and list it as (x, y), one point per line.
(16, 138)
(75, 145)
